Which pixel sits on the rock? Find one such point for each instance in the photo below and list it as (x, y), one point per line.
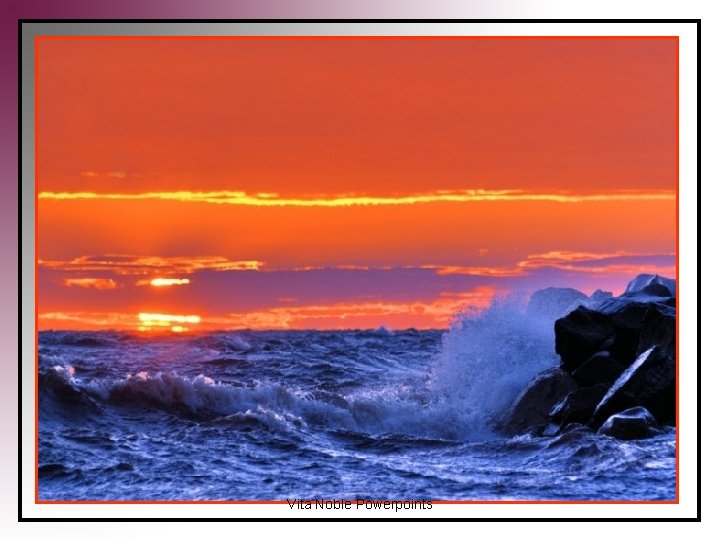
(635, 423)
(638, 326)
(615, 354)
(556, 429)
(599, 368)
(576, 426)
(580, 334)
(553, 302)
(532, 407)
(651, 285)
(551, 430)
(625, 326)
(659, 329)
(567, 437)
(578, 406)
(534, 431)
(599, 296)
(649, 382)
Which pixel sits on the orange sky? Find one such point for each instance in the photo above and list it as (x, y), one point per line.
(346, 166)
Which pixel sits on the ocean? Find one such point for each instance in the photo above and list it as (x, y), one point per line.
(357, 414)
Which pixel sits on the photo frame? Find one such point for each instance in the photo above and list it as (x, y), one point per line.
(31, 31)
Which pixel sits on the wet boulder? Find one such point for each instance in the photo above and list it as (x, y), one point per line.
(623, 327)
(659, 329)
(577, 406)
(634, 423)
(580, 334)
(649, 382)
(532, 407)
(553, 429)
(598, 297)
(616, 353)
(638, 326)
(600, 368)
(651, 285)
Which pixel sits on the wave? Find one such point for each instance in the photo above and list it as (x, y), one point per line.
(486, 359)
(388, 411)
(489, 357)
(83, 339)
(223, 343)
(61, 395)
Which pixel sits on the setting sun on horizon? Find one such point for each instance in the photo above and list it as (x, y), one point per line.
(191, 184)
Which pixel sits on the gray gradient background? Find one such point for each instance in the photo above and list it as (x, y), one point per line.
(28, 350)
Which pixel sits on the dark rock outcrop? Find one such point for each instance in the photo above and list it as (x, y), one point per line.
(635, 423)
(532, 407)
(616, 354)
(581, 334)
(624, 327)
(620, 329)
(600, 368)
(599, 296)
(556, 429)
(651, 285)
(659, 329)
(578, 406)
(639, 325)
(649, 382)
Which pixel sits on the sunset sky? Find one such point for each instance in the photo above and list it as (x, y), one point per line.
(345, 183)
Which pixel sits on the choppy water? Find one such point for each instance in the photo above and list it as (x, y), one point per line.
(356, 414)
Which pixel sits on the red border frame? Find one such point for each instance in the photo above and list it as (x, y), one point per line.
(37, 41)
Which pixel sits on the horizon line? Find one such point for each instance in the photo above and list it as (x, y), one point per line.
(245, 329)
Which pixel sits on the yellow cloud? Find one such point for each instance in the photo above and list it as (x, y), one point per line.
(140, 265)
(561, 260)
(91, 283)
(270, 199)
